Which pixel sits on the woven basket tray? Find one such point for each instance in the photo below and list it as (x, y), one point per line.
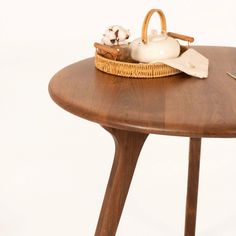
(138, 70)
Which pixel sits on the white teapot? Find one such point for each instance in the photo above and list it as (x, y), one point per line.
(154, 47)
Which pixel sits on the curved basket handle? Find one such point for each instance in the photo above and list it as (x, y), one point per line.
(147, 20)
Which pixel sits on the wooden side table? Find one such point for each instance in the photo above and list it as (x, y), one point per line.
(130, 109)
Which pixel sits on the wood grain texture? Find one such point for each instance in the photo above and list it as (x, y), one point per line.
(192, 190)
(176, 105)
(181, 37)
(128, 146)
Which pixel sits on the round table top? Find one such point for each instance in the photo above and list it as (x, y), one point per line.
(177, 105)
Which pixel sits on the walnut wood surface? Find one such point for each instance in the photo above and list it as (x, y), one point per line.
(177, 105)
(192, 191)
(128, 146)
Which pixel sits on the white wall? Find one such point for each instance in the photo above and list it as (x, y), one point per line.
(51, 181)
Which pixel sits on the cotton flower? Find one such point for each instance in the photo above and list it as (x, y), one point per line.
(115, 35)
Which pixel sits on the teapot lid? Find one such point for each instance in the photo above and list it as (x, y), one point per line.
(155, 37)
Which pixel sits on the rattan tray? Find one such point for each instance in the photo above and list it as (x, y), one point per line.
(139, 70)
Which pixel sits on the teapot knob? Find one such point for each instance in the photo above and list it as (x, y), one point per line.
(155, 37)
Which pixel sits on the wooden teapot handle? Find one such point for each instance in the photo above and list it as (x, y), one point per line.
(163, 27)
(181, 37)
(147, 20)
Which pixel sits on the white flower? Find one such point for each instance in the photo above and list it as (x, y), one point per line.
(115, 35)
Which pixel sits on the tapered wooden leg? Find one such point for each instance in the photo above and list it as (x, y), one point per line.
(128, 146)
(192, 192)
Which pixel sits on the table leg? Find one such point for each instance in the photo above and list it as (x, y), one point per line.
(127, 148)
(192, 191)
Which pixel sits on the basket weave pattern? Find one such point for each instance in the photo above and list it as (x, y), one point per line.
(134, 70)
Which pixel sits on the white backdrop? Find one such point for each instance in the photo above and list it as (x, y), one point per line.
(51, 181)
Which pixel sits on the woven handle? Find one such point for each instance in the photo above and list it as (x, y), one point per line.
(147, 20)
